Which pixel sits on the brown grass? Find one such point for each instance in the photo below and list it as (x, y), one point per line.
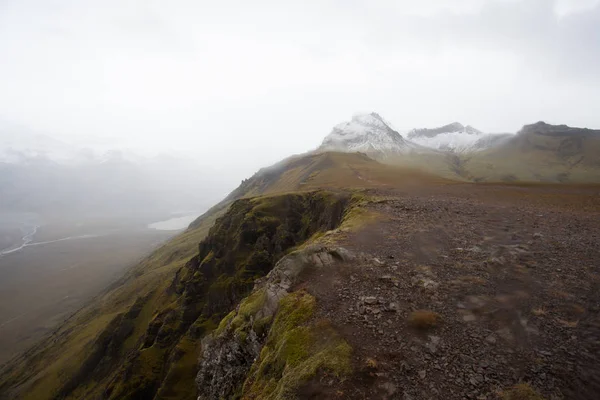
(424, 319)
(577, 309)
(568, 324)
(560, 294)
(371, 363)
(472, 279)
(538, 312)
(522, 391)
(338, 170)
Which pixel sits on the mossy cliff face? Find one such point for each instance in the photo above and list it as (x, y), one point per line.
(296, 348)
(248, 240)
(271, 344)
(243, 245)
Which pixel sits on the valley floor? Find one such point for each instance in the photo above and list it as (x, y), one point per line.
(464, 291)
(42, 285)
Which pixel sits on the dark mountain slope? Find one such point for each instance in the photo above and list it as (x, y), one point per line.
(572, 145)
(540, 152)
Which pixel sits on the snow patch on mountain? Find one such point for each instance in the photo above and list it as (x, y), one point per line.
(454, 137)
(457, 141)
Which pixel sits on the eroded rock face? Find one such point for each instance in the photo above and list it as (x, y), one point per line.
(229, 353)
(225, 364)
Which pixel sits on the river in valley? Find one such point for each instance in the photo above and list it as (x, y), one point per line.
(28, 239)
(28, 226)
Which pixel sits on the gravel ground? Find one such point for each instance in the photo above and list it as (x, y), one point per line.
(505, 285)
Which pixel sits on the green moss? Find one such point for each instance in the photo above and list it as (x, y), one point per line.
(296, 349)
(182, 371)
(202, 326)
(357, 214)
(243, 319)
(209, 257)
(294, 309)
(249, 308)
(183, 363)
(224, 323)
(261, 325)
(522, 391)
(141, 379)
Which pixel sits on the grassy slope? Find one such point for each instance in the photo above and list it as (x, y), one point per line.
(526, 158)
(333, 171)
(542, 153)
(440, 164)
(536, 159)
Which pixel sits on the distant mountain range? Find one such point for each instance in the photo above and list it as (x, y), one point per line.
(48, 176)
(21, 146)
(539, 152)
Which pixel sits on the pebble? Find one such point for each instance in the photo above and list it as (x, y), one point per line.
(491, 339)
(469, 318)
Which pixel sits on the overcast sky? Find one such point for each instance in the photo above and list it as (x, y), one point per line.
(246, 83)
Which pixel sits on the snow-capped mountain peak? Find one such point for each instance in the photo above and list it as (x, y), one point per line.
(367, 133)
(361, 122)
